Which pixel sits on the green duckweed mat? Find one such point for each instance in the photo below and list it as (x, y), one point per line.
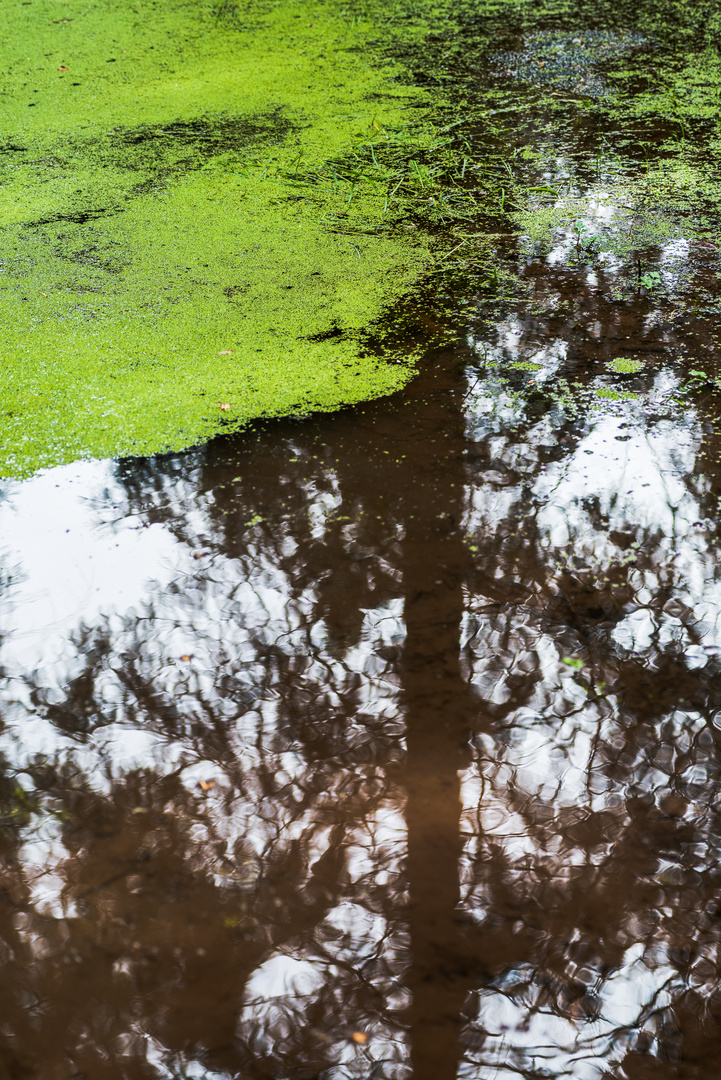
(215, 213)
(195, 229)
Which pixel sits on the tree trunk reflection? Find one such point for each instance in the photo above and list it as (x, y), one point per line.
(438, 711)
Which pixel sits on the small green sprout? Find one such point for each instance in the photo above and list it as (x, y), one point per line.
(651, 280)
(585, 239)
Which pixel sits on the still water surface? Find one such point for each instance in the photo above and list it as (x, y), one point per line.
(379, 745)
(400, 723)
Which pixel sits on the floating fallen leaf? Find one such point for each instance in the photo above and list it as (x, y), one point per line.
(139, 810)
(359, 1037)
(200, 554)
(63, 68)
(43, 293)
(225, 352)
(206, 785)
(186, 657)
(223, 406)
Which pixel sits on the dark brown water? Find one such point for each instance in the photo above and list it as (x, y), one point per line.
(380, 745)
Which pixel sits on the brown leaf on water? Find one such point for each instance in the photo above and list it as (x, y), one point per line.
(223, 406)
(63, 68)
(206, 785)
(186, 657)
(359, 1037)
(225, 352)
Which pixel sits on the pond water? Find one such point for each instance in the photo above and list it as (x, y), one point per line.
(385, 744)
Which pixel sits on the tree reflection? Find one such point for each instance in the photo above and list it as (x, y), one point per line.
(417, 742)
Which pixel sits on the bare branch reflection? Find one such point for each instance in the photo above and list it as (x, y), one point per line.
(383, 745)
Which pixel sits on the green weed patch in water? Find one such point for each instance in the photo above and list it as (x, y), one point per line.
(619, 220)
(607, 393)
(200, 221)
(626, 365)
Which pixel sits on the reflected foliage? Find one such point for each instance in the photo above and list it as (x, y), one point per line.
(383, 744)
(390, 647)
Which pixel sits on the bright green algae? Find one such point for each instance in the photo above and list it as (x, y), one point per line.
(211, 214)
(182, 250)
